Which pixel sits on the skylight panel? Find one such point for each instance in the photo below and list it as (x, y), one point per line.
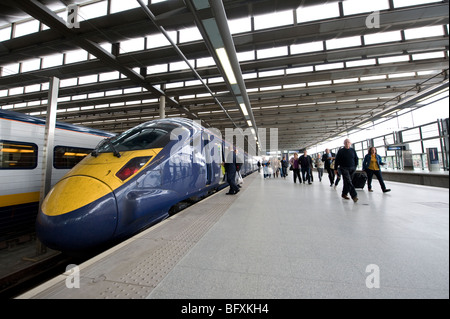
(25, 28)
(382, 37)
(177, 66)
(307, 47)
(131, 45)
(394, 59)
(246, 56)
(364, 6)
(190, 34)
(158, 68)
(303, 69)
(68, 82)
(32, 88)
(87, 79)
(343, 43)
(329, 66)
(5, 33)
(240, 25)
(10, 69)
(401, 75)
(352, 64)
(205, 62)
(272, 20)
(31, 65)
(93, 10)
(52, 60)
(272, 52)
(407, 3)
(318, 12)
(107, 76)
(424, 32)
(159, 40)
(317, 83)
(120, 5)
(271, 73)
(431, 55)
(76, 56)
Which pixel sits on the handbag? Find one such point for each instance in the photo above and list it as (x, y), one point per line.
(291, 168)
(332, 164)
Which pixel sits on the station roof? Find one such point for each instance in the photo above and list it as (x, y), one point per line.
(313, 69)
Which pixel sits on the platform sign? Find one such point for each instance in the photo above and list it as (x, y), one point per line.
(433, 159)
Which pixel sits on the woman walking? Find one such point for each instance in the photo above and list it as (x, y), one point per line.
(372, 166)
(295, 163)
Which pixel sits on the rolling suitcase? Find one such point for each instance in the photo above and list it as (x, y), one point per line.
(359, 180)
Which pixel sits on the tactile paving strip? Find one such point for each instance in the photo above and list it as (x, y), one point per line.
(136, 268)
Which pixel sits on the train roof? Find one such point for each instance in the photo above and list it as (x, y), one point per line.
(9, 115)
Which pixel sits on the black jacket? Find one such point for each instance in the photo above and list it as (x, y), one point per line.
(305, 161)
(327, 160)
(346, 158)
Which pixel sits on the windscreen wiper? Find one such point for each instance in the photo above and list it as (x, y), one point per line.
(115, 151)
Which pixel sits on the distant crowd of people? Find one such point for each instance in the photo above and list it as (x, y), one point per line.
(338, 166)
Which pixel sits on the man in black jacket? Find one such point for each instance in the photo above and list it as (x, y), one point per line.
(328, 157)
(347, 161)
(306, 163)
(231, 167)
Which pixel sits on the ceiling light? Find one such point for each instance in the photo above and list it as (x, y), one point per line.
(223, 57)
(244, 109)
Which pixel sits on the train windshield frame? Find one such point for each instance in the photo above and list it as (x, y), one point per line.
(141, 137)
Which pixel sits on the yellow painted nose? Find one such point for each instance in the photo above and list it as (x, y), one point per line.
(72, 193)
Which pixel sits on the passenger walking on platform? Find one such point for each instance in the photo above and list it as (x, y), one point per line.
(306, 163)
(319, 166)
(266, 164)
(259, 166)
(275, 167)
(338, 177)
(327, 158)
(284, 167)
(231, 169)
(294, 161)
(347, 161)
(372, 166)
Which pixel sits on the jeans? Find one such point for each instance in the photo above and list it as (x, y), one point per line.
(320, 173)
(307, 171)
(370, 174)
(296, 172)
(330, 175)
(347, 175)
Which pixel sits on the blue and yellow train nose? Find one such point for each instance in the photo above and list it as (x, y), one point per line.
(79, 213)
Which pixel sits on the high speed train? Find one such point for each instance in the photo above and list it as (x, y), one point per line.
(132, 181)
(21, 154)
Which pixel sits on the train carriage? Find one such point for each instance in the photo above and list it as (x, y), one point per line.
(21, 154)
(131, 182)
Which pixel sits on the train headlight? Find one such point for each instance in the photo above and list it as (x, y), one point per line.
(132, 167)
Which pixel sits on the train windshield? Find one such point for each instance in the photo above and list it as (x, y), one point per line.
(145, 136)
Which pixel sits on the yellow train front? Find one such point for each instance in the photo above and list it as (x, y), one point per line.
(128, 183)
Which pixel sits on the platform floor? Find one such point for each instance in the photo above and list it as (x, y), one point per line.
(280, 240)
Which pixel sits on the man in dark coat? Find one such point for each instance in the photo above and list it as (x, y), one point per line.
(231, 169)
(327, 158)
(347, 161)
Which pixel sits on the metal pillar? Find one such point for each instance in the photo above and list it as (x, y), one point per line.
(162, 107)
(47, 160)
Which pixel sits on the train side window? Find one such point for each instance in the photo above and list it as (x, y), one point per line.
(66, 157)
(18, 155)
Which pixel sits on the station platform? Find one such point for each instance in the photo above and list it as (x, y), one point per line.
(279, 240)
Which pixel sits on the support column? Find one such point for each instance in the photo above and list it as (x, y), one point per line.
(49, 137)
(162, 104)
